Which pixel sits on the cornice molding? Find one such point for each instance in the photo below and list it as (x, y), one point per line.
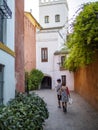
(6, 49)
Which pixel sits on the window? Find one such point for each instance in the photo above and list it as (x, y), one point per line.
(1, 83)
(44, 54)
(2, 30)
(62, 67)
(46, 19)
(57, 18)
(62, 60)
(63, 77)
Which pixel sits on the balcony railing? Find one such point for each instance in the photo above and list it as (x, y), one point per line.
(5, 12)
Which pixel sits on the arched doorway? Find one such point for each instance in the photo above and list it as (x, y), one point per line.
(46, 83)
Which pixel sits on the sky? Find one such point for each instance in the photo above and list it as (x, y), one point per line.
(72, 4)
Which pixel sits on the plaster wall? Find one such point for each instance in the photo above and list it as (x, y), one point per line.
(10, 39)
(29, 45)
(51, 68)
(86, 83)
(9, 76)
(51, 11)
(6, 59)
(19, 45)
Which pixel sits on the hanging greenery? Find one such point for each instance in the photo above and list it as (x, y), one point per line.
(83, 41)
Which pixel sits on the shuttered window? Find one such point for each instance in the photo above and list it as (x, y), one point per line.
(44, 54)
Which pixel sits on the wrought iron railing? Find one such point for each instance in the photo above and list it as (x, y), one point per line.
(5, 11)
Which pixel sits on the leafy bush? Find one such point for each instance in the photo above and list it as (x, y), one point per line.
(35, 79)
(24, 113)
(83, 41)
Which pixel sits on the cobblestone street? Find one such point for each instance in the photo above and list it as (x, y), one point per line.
(80, 115)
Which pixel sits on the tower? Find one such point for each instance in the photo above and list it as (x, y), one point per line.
(53, 13)
(53, 17)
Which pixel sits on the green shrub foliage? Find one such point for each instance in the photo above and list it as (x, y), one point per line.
(24, 113)
(83, 41)
(35, 79)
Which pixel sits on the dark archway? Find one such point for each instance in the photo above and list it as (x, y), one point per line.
(46, 83)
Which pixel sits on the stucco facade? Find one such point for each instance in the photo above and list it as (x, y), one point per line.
(51, 38)
(19, 45)
(86, 82)
(7, 55)
(30, 26)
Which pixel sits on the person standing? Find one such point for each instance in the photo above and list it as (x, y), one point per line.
(58, 89)
(65, 94)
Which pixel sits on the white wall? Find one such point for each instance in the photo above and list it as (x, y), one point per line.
(11, 26)
(9, 75)
(48, 40)
(58, 73)
(51, 39)
(51, 10)
(51, 68)
(6, 59)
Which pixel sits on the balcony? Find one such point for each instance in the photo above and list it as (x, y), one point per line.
(5, 12)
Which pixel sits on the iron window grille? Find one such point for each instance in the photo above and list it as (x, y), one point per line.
(5, 12)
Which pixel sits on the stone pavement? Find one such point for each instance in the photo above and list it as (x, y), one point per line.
(80, 115)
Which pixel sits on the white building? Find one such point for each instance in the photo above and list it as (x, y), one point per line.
(53, 17)
(7, 55)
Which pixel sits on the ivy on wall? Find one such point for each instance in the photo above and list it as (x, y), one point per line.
(83, 41)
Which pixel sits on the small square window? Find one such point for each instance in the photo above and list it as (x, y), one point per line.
(57, 18)
(46, 19)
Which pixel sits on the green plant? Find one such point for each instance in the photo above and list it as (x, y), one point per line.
(24, 113)
(83, 42)
(35, 79)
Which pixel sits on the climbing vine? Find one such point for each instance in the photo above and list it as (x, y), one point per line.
(83, 41)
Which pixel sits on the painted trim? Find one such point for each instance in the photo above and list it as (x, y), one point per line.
(32, 20)
(6, 49)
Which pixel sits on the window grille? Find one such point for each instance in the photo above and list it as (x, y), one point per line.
(5, 12)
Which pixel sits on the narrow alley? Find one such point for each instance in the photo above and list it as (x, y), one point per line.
(80, 115)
